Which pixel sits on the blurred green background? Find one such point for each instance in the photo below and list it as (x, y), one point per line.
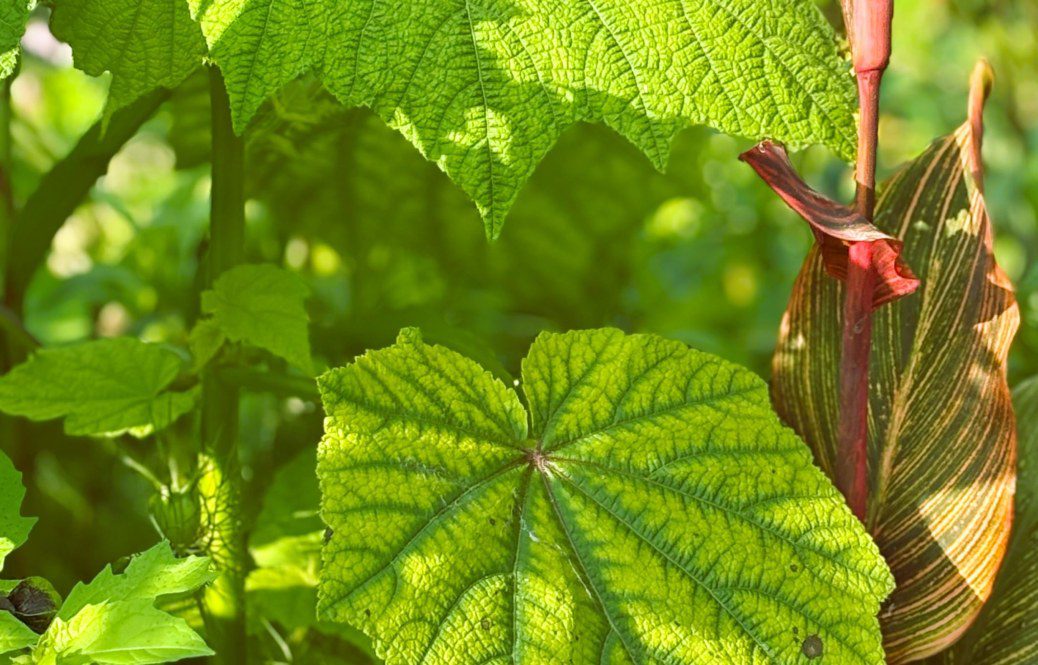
(703, 253)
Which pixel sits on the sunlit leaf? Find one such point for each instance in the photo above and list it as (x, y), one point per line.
(102, 387)
(941, 436)
(14, 529)
(655, 510)
(485, 89)
(13, 16)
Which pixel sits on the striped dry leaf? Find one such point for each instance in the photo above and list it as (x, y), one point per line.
(1006, 632)
(942, 445)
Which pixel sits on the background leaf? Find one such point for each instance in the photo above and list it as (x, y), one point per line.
(657, 510)
(103, 387)
(262, 305)
(942, 443)
(485, 89)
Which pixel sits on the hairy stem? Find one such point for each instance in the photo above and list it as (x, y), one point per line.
(869, 27)
(220, 483)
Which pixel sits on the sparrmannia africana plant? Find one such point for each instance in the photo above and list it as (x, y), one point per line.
(625, 498)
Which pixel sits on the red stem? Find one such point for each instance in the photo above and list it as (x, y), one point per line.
(870, 28)
(853, 432)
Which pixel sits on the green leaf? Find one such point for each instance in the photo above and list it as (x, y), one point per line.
(14, 529)
(120, 632)
(484, 89)
(102, 387)
(14, 635)
(1006, 631)
(154, 574)
(145, 44)
(655, 511)
(262, 305)
(13, 16)
(941, 435)
(113, 619)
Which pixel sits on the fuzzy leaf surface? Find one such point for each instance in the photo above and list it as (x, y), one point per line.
(145, 44)
(102, 387)
(942, 443)
(484, 88)
(262, 305)
(653, 509)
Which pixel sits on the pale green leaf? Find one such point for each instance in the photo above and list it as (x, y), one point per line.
(156, 573)
(145, 44)
(102, 387)
(655, 511)
(205, 342)
(113, 619)
(262, 305)
(13, 16)
(119, 632)
(485, 88)
(14, 529)
(14, 635)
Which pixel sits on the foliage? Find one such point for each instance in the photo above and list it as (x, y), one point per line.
(608, 529)
(942, 444)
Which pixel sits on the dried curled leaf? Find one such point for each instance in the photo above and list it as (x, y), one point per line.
(835, 225)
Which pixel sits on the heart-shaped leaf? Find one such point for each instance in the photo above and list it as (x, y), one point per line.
(648, 506)
(941, 434)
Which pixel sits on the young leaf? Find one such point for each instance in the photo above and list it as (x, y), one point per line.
(102, 387)
(14, 528)
(145, 44)
(656, 510)
(113, 619)
(13, 16)
(262, 305)
(484, 89)
(1006, 632)
(942, 442)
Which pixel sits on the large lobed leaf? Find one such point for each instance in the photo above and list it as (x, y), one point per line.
(484, 88)
(649, 508)
(1006, 632)
(102, 387)
(942, 444)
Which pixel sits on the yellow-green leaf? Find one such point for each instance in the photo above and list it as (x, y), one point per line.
(647, 507)
(941, 436)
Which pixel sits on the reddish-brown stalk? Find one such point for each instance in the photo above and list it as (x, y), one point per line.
(869, 26)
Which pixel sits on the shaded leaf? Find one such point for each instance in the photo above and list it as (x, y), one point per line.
(656, 510)
(14, 529)
(485, 89)
(1006, 632)
(102, 387)
(145, 44)
(261, 305)
(941, 436)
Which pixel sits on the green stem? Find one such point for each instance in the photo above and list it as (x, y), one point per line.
(220, 484)
(64, 187)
